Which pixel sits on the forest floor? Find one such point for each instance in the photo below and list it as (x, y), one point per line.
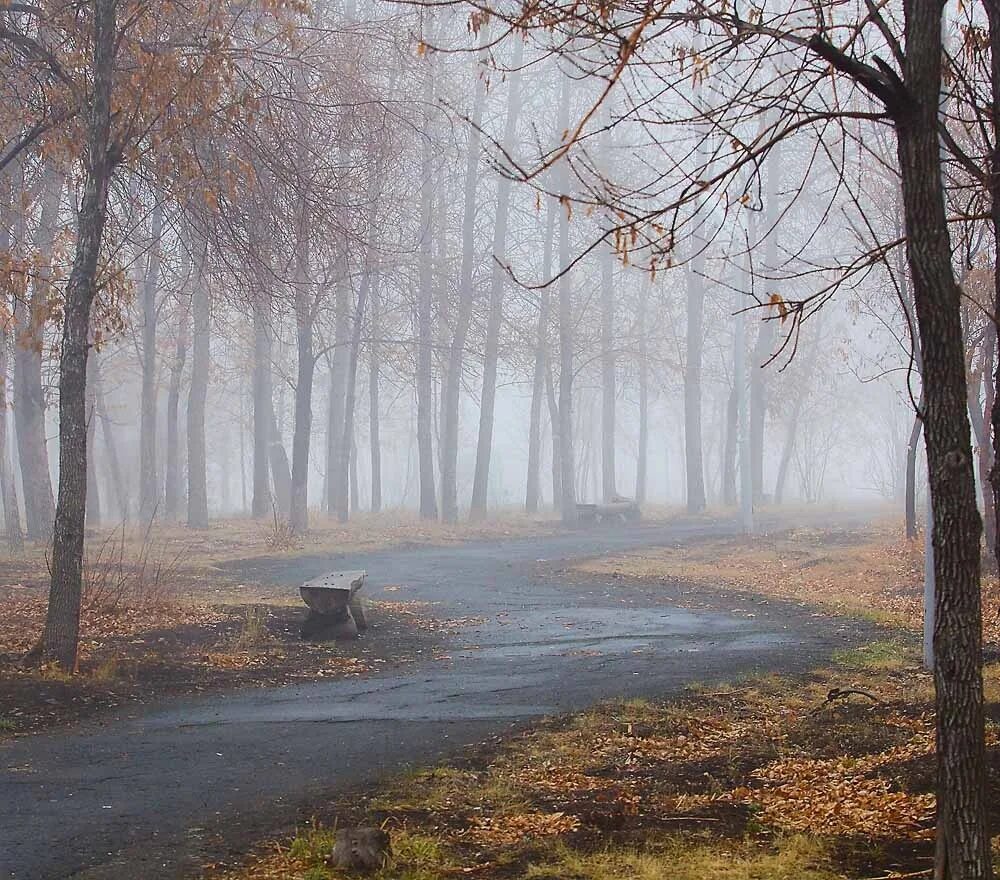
(164, 615)
(822, 775)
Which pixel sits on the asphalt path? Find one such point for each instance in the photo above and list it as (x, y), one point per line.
(160, 791)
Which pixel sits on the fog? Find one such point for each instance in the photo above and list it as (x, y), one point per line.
(408, 265)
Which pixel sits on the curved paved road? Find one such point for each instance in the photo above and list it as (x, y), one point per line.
(159, 793)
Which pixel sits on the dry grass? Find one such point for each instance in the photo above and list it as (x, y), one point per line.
(874, 573)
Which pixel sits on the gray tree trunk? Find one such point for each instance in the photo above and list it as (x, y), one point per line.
(260, 502)
(29, 394)
(484, 447)
(374, 372)
(643, 357)
(149, 490)
(567, 461)
(541, 369)
(338, 390)
(197, 464)
(298, 513)
(61, 636)
(172, 476)
(466, 300)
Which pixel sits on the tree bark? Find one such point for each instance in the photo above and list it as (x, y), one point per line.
(197, 465)
(910, 487)
(149, 492)
(61, 636)
(963, 851)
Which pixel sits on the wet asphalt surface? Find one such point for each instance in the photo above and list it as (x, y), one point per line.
(159, 792)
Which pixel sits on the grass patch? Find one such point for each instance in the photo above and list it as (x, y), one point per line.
(877, 655)
(7, 725)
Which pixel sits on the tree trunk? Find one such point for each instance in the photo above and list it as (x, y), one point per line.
(260, 503)
(280, 470)
(29, 394)
(110, 445)
(298, 514)
(742, 415)
(93, 512)
(374, 372)
(550, 392)
(338, 389)
(347, 442)
(541, 369)
(172, 478)
(963, 851)
(693, 446)
(910, 487)
(729, 448)
(61, 637)
(484, 447)
(609, 489)
(149, 493)
(197, 465)
(466, 300)
(8, 486)
(641, 464)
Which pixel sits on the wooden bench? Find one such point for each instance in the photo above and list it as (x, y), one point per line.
(335, 607)
(619, 510)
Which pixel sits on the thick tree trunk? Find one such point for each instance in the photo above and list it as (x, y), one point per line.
(172, 477)
(484, 447)
(61, 637)
(29, 394)
(541, 369)
(963, 851)
(993, 518)
(197, 464)
(451, 402)
(643, 357)
(149, 491)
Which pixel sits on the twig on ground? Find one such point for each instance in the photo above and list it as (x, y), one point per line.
(841, 693)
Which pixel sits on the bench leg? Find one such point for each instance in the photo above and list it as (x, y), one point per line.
(357, 607)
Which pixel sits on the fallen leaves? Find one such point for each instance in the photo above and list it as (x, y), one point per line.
(512, 829)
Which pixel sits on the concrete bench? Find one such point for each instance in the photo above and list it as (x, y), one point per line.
(621, 510)
(335, 607)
